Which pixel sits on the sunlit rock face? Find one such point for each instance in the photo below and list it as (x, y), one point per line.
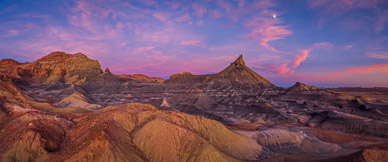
(62, 107)
(143, 78)
(57, 67)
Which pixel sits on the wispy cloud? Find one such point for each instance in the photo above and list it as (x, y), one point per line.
(161, 16)
(348, 47)
(143, 49)
(301, 57)
(335, 8)
(183, 18)
(356, 70)
(224, 5)
(377, 55)
(280, 69)
(192, 43)
(303, 54)
(266, 29)
(13, 32)
(289, 66)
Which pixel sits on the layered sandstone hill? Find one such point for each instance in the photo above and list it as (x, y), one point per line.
(78, 100)
(57, 67)
(237, 73)
(130, 132)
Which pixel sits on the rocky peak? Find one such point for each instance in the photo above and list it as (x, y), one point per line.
(237, 71)
(298, 86)
(107, 70)
(239, 61)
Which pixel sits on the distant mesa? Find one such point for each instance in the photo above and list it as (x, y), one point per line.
(180, 74)
(142, 78)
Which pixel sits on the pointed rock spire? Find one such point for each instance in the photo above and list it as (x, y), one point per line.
(239, 61)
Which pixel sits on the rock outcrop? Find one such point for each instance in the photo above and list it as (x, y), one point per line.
(237, 73)
(143, 78)
(298, 86)
(57, 67)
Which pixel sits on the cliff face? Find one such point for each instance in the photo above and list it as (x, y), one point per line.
(57, 67)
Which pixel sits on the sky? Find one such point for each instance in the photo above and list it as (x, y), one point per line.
(326, 43)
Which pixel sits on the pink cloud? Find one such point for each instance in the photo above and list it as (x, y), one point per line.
(340, 6)
(143, 49)
(303, 54)
(286, 68)
(263, 4)
(148, 2)
(301, 57)
(199, 23)
(348, 47)
(378, 55)
(191, 43)
(382, 19)
(82, 20)
(216, 14)
(120, 26)
(200, 10)
(183, 18)
(266, 29)
(280, 69)
(161, 16)
(322, 44)
(240, 3)
(368, 69)
(224, 5)
(13, 32)
(353, 75)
